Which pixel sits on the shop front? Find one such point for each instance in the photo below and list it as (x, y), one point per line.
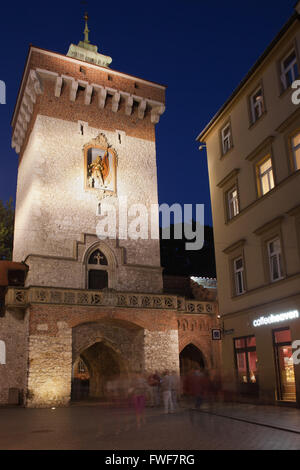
(259, 354)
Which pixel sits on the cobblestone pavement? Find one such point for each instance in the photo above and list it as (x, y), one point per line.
(97, 427)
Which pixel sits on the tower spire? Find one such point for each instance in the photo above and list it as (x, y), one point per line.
(86, 51)
(86, 29)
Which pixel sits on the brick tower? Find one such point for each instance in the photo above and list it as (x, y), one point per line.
(85, 135)
(70, 109)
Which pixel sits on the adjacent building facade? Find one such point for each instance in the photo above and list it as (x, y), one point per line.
(91, 306)
(253, 151)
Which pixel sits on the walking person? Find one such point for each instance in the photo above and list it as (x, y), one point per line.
(197, 387)
(175, 385)
(154, 384)
(166, 387)
(139, 390)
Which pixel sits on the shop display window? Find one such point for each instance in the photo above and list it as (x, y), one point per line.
(246, 359)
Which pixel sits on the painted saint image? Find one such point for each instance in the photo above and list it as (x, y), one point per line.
(100, 169)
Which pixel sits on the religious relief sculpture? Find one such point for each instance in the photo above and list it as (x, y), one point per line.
(100, 165)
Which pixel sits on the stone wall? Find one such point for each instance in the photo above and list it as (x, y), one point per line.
(161, 350)
(50, 367)
(111, 340)
(14, 333)
(123, 338)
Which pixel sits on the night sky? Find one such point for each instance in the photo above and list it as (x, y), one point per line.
(200, 49)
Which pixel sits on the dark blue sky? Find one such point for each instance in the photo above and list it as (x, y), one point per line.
(200, 49)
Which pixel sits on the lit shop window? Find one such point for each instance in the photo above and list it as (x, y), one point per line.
(289, 70)
(265, 177)
(257, 105)
(246, 359)
(275, 259)
(226, 139)
(296, 151)
(239, 276)
(233, 203)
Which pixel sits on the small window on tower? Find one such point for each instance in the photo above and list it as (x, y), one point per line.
(109, 77)
(82, 70)
(82, 127)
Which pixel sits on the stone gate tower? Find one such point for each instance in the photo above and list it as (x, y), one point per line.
(85, 135)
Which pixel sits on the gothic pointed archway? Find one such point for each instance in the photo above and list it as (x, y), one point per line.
(93, 368)
(104, 349)
(190, 358)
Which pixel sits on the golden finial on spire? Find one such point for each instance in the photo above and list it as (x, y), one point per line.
(86, 29)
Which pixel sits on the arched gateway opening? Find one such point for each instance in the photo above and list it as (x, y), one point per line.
(95, 366)
(190, 358)
(104, 350)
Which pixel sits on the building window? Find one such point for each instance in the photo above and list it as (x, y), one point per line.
(97, 276)
(246, 359)
(233, 203)
(226, 138)
(81, 367)
(296, 151)
(265, 176)
(275, 260)
(289, 70)
(257, 105)
(238, 265)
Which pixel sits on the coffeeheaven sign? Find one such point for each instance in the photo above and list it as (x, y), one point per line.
(278, 318)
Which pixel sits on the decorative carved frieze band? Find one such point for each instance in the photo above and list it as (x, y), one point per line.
(34, 86)
(22, 298)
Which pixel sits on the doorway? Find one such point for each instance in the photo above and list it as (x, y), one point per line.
(286, 385)
(93, 369)
(190, 358)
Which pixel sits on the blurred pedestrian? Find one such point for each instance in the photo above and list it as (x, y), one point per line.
(166, 387)
(197, 387)
(175, 387)
(154, 381)
(139, 390)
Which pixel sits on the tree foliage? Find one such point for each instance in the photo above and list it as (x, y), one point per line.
(7, 214)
